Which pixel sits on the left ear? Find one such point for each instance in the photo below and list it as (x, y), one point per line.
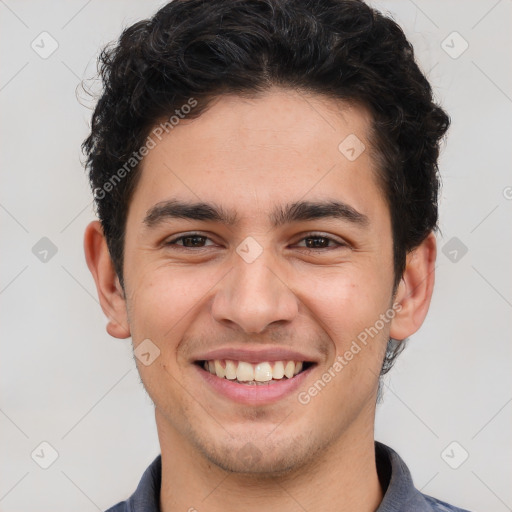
(415, 289)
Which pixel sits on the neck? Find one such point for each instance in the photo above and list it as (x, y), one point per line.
(344, 478)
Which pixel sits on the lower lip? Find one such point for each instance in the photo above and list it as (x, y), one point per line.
(254, 394)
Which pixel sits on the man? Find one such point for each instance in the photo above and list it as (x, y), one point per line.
(265, 173)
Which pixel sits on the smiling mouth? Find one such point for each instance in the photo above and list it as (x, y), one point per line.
(254, 374)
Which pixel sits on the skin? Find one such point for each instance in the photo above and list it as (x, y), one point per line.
(250, 155)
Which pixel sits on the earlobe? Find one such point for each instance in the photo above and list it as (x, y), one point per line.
(415, 289)
(110, 292)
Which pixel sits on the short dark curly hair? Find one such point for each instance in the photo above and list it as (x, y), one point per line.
(200, 49)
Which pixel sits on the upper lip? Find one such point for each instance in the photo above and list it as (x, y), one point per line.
(255, 355)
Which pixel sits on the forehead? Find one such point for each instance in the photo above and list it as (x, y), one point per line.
(252, 153)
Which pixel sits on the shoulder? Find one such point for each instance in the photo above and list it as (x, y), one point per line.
(441, 506)
(400, 493)
(146, 496)
(122, 506)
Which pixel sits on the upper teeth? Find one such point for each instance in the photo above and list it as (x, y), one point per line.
(260, 372)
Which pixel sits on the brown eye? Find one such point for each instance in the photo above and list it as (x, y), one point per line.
(190, 241)
(316, 241)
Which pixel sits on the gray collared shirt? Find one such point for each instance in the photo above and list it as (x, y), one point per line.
(400, 494)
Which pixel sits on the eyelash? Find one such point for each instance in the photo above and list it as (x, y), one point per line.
(339, 244)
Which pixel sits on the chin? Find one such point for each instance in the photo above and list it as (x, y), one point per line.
(258, 456)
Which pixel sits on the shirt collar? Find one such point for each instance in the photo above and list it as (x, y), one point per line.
(400, 495)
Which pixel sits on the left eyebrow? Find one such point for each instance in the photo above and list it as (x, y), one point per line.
(311, 210)
(287, 214)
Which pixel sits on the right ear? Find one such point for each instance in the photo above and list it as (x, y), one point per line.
(110, 292)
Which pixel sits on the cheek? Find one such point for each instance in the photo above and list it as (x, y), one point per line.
(345, 300)
(161, 304)
(164, 297)
(347, 306)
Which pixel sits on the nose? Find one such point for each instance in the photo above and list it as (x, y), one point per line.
(253, 296)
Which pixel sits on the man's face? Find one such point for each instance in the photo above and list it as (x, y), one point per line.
(286, 286)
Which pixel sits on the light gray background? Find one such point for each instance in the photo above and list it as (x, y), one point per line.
(66, 382)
